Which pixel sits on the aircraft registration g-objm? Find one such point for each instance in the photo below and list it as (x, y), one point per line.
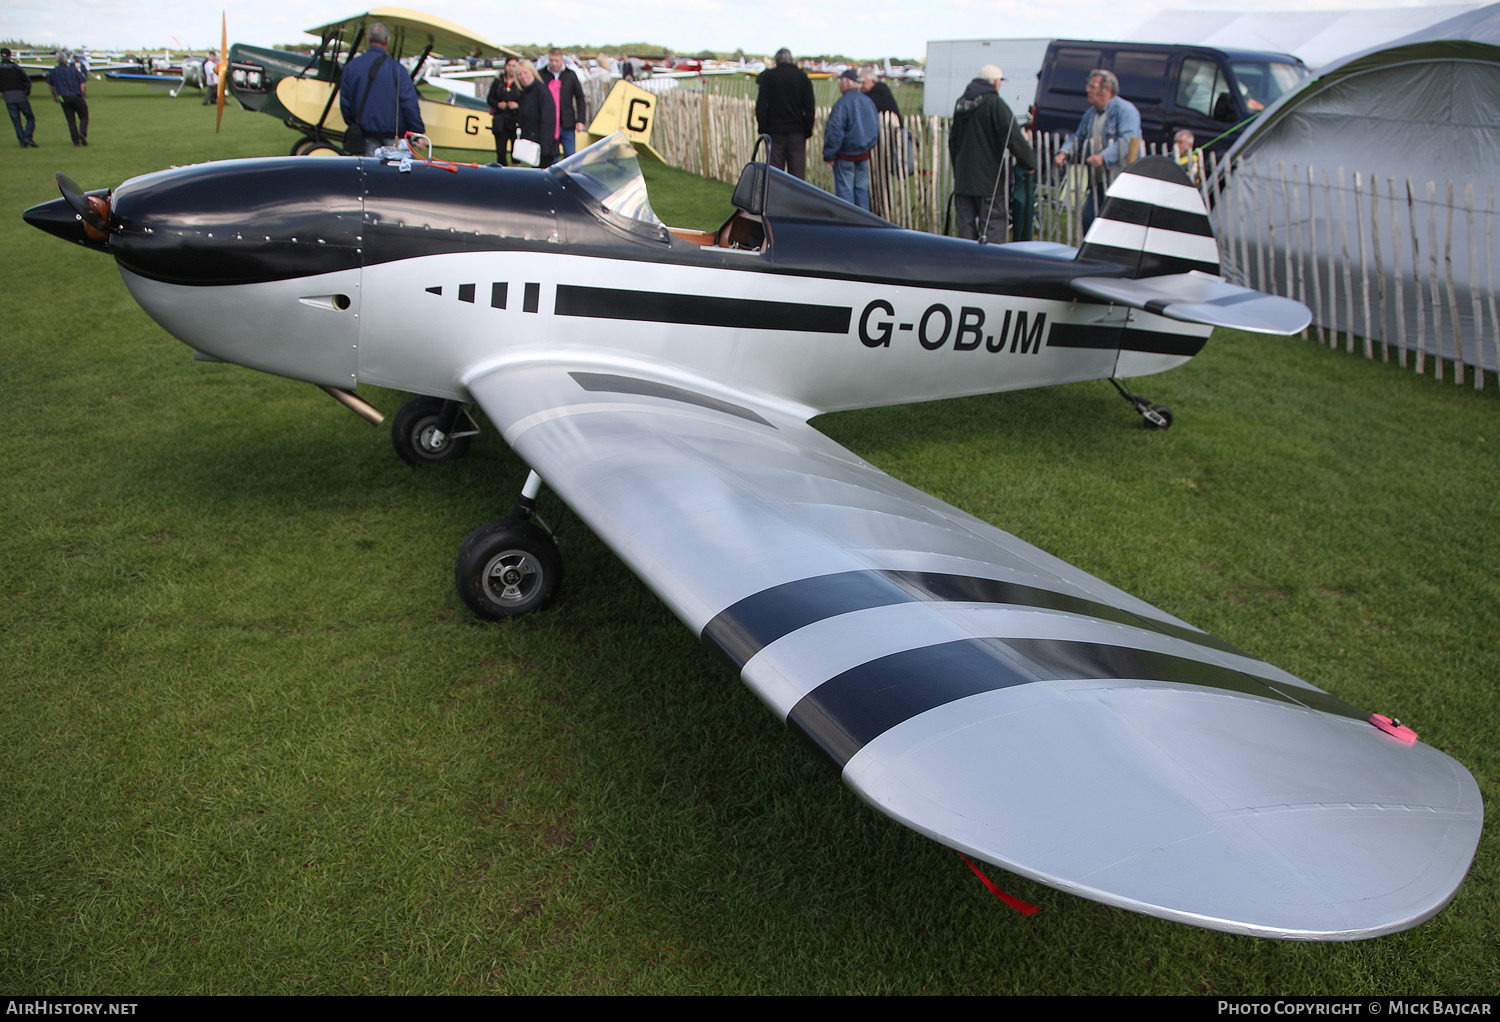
(964, 682)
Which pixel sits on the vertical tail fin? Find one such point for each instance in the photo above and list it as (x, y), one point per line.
(628, 108)
(1153, 223)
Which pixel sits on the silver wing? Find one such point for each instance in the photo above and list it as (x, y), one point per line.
(985, 693)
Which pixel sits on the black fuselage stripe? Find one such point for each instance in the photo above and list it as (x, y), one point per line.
(852, 709)
(1162, 342)
(610, 383)
(700, 310)
(742, 630)
(1082, 335)
(1157, 342)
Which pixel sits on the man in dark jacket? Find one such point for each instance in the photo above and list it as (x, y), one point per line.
(567, 96)
(983, 129)
(784, 109)
(377, 93)
(880, 94)
(16, 85)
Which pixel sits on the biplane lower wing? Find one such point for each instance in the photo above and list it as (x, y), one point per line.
(983, 692)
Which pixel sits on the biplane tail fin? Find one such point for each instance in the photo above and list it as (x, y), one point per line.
(628, 108)
(1154, 224)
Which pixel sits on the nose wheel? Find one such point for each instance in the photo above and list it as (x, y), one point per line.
(509, 566)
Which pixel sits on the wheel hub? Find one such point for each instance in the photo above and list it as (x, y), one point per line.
(511, 576)
(431, 439)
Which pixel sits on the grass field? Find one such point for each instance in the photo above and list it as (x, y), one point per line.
(254, 743)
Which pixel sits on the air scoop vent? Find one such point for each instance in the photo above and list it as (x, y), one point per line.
(333, 303)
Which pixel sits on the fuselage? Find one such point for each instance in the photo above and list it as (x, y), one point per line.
(340, 271)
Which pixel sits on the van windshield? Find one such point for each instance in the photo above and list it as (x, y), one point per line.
(1263, 82)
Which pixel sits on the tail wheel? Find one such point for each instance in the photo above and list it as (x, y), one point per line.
(1162, 419)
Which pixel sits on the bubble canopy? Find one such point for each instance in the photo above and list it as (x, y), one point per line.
(609, 172)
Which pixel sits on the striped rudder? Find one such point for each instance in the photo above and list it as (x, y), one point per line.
(1153, 222)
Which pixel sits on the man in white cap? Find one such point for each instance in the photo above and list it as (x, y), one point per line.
(984, 129)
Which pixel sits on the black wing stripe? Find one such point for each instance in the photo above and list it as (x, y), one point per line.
(740, 631)
(852, 709)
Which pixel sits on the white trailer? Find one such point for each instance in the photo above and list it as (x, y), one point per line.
(953, 63)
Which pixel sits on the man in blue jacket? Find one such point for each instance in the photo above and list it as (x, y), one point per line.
(852, 130)
(1104, 132)
(377, 94)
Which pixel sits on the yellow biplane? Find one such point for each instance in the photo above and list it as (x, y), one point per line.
(303, 90)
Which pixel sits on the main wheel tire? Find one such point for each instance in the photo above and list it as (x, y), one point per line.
(507, 568)
(302, 145)
(1165, 413)
(414, 434)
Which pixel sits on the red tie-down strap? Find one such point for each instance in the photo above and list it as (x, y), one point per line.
(1014, 902)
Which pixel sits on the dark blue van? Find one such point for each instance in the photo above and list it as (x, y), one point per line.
(1205, 90)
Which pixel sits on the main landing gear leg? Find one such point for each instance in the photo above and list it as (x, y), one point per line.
(510, 566)
(1152, 416)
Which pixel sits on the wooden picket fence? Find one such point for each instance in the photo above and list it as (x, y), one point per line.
(1372, 257)
(712, 135)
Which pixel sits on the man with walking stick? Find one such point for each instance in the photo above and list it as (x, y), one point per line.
(983, 130)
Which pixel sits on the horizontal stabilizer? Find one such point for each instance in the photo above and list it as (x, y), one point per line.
(1195, 297)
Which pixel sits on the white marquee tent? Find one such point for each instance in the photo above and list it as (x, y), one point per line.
(1422, 108)
(1318, 37)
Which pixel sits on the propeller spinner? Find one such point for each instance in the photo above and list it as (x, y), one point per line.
(93, 210)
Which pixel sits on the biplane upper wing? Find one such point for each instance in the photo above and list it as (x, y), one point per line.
(416, 29)
(983, 692)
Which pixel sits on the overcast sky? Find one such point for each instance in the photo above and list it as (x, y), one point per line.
(859, 28)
